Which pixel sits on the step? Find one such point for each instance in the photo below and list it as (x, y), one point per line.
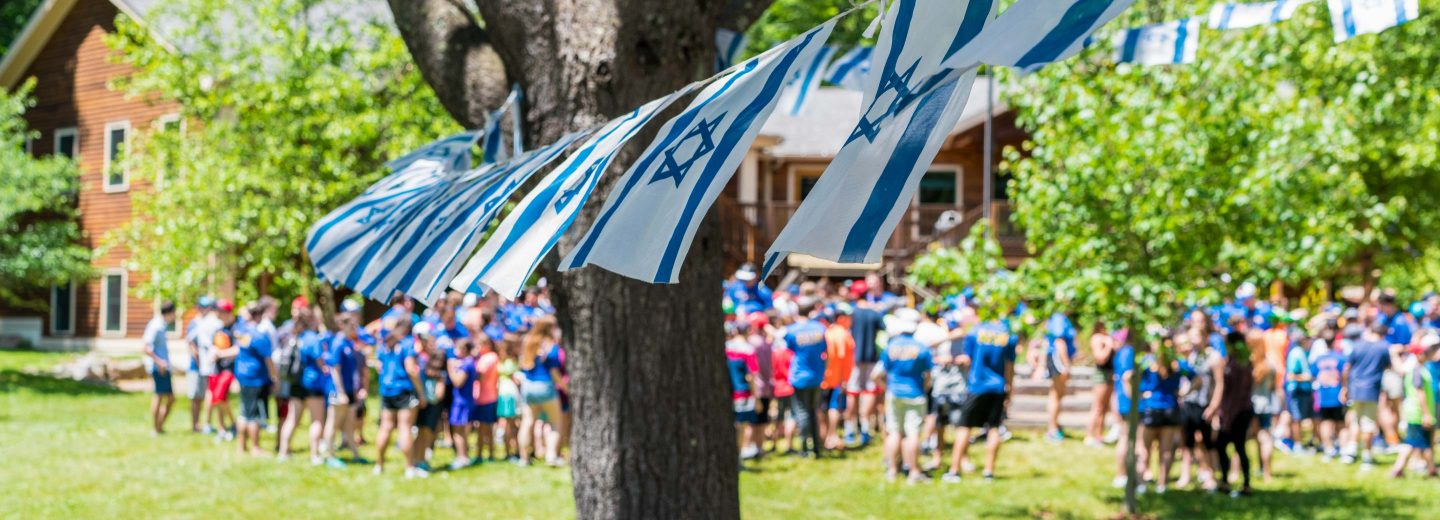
(1022, 404)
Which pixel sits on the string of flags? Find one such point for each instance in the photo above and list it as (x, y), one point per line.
(413, 230)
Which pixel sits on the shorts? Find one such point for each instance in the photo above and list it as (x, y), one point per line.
(301, 393)
(904, 415)
(198, 384)
(1053, 367)
(163, 384)
(1418, 436)
(460, 413)
(762, 410)
(948, 410)
(833, 399)
(1301, 404)
(1160, 417)
(402, 401)
(1332, 413)
(507, 406)
(219, 386)
(429, 416)
(1265, 420)
(782, 407)
(860, 380)
(1393, 385)
(744, 410)
(1192, 421)
(1367, 414)
(538, 392)
(252, 407)
(984, 411)
(485, 413)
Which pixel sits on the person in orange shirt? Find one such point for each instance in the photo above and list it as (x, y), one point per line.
(839, 363)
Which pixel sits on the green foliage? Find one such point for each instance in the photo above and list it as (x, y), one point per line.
(285, 121)
(39, 236)
(13, 16)
(1278, 155)
(787, 19)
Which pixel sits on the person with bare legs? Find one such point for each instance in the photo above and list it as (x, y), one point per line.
(345, 387)
(307, 393)
(1102, 348)
(905, 370)
(540, 379)
(1059, 354)
(989, 353)
(1160, 409)
(157, 355)
(399, 398)
(255, 372)
(1418, 409)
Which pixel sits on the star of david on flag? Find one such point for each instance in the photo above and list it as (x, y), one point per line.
(1034, 33)
(646, 226)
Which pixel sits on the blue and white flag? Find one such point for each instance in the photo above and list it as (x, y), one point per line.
(646, 226)
(858, 201)
(361, 219)
(805, 83)
(1034, 33)
(427, 248)
(1170, 43)
(850, 69)
(1356, 17)
(728, 47)
(532, 229)
(494, 145)
(1225, 17)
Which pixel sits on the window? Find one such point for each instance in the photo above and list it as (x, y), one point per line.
(62, 309)
(67, 143)
(1001, 188)
(939, 187)
(112, 303)
(116, 178)
(169, 126)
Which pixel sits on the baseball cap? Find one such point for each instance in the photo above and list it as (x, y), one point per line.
(745, 273)
(225, 305)
(206, 302)
(300, 301)
(903, 321)
(424, 328)
(1246, 291)
(349, 306)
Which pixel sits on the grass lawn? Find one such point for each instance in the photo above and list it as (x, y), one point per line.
(78, 451)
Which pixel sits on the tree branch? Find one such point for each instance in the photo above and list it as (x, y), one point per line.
(454, 55)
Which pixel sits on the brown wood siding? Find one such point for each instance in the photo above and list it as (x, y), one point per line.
(72, 73)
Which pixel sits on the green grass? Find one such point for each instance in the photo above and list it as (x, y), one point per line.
(73, 450)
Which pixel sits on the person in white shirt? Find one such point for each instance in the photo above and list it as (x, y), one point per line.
(157, 356)
(200, 337)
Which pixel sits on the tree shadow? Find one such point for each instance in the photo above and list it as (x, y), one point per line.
(12, 381)
(1283, 503)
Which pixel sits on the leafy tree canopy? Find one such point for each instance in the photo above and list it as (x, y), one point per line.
(13, 15)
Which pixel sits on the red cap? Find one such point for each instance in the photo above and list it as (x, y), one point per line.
(758, 321)
(858, 289)
(225, 305)
(300, 301)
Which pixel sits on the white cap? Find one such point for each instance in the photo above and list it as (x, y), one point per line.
(745, 275)
(424, 328)
(470, 299)
(349, 306)
(903, 321)
(1246, 291)
(1429, 340)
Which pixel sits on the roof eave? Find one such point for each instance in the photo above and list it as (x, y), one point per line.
(27, 45)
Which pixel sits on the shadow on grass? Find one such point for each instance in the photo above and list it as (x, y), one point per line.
(1326, 501)
(12, 381)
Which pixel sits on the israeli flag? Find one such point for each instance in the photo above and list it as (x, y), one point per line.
(1356, 17)
(360, 220)
(809, 78)
(728, 47)
(1171, 43)
(506, 260)
(1225, 17)
(1034, 33)
(858, 201)
(495, 138)
(646, 226)
(426, 249)
(849, 70)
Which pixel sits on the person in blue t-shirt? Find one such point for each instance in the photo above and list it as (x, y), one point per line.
(1329, 382)
(346, 387)
(989, 353)
(906, 365)
(254, 371)
(1400, 325)
(1369, 358)
(308, 393)
(399, 398)
(1059, 353)
(806, 339)
(1160, 408)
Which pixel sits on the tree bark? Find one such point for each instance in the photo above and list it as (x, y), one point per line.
(652, 434)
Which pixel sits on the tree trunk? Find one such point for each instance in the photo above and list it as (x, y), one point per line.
(652, 433)
(1132, 430)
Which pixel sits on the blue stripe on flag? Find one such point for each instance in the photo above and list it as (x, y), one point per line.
(1182, 33)
(1076, 22)
(1132, 41)
(892, 180)
(1225, 18)
(849, 63)
(1348, 14)
(808, 81)
(1401, 15)
(732, 139)
(977, 15)
(681, 124)
(1279, 12)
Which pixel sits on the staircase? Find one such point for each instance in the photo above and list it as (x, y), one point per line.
(1027, 403)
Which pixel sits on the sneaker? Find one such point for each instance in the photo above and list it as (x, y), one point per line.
(1347, 459)
(459, 464)
(1112, 435)
(1055, 437)
(890, 477)
(316, 461)
(749, 452)
(335, 462)
(1367, 460)
(967, 466)
(380, 470)
(1119, 482)
(1094, 443)
(917, 478)
(282, 457)
(417, 472)
(423, 466)
(1160, 490)
(950, 477)
(989, 477)
(1005, 434)
(850, 437)
(864, 438)
(1141, 489)
(555, 462)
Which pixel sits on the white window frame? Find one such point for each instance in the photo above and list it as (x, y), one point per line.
(74, 134)
(124, 186)
(173, 117)
(105, 301)
(56, 331)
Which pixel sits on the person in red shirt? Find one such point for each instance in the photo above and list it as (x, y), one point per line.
(784, 426)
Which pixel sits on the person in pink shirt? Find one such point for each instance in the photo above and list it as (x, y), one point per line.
(784, 392)
(487, 396)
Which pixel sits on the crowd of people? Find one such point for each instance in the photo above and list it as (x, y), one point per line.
(821, 367)
(482, 378)
(834, 364)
